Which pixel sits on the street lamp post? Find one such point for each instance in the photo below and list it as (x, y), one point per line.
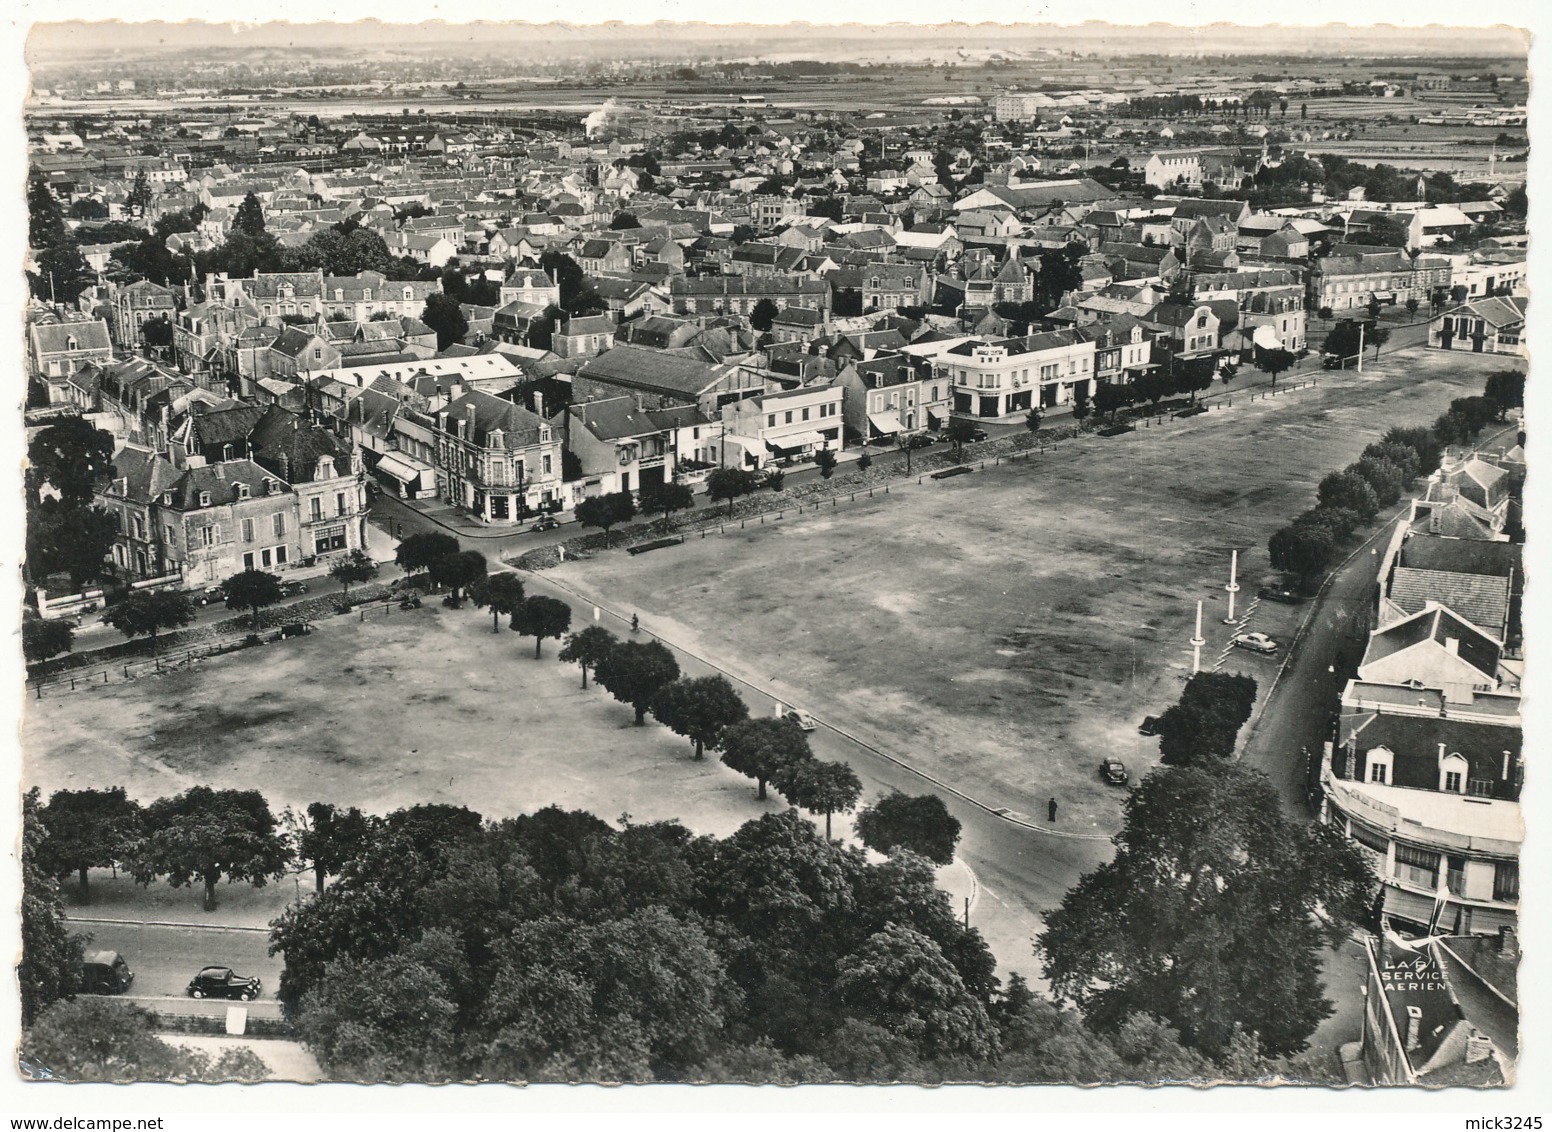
(1233, 587)
(1197, 642)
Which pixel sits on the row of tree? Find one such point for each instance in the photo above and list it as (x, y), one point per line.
(1351, 498)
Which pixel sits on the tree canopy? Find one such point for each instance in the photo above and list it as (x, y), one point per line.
(540, 617)
(418, 551)
(633, 672)
(500, 593)
(606, 511)
(87, 829)
(145, 613)
(252, 589)
(1211, 916)
(73, 457)
(701, 708)
(761, 748)
(204, 836)
(587, 647)
(918, 823)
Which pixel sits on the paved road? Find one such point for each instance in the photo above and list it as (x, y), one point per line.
(165, 958)
(1297, 714)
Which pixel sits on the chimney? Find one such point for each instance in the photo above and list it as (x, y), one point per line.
(1414, 1027)
(1507, 759)
(1479, 1047)
(1508, 945)
(538, 403)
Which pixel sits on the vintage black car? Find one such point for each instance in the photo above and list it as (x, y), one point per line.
(1114, 771)
(223, 982)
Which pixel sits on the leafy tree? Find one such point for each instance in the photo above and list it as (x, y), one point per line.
(634, 672)
(73, 540)
(249, 220)
(1210, 876)
(1109, 397)
(667, 498)
(1412, 304)
(389, 1019)
(145, 613)
(919, 823)
(62, 271)
(330, 837)
(1402, 457)
(1506, 388)
(540, 617)
(42, 638)
(252, 589)
(205, 835)
(456, 571)
(73, 457)
(417, 552)
(156, 333)
(763, 315)
(1032, 418)
(605, 511)
(100, 1039)
(500, 593)
(87, 829)
(1303, 549)
(1276, 363)
(700, 708)
(50, 967)
(729, 484)
(762, 748)
(88, 208)
(1382, 476)
(775, 479)
(139, 199)
(1348, 490)
(1204, 725)
(443, 314)
(623, 220)
(355, 568)
(900, 980)
(819, 787)
(1377, 337)
(1422, 442)
(824, 460)
(587, 648)
(960, 432)
(577, 296)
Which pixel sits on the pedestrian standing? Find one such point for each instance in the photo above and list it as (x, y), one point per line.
(635, 623)
(1051, 810)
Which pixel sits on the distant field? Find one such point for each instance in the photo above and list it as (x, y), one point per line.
(1007, 629)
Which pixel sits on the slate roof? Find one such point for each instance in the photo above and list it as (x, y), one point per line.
(290, 446)
(224, 426)
(651, 369)
(1479, 598)
(1462, 556)
(519, 425)
(53, 338)
(1437, 625)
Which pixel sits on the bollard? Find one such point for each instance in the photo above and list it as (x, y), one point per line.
(886, 489)
(104, 675)
(40, 691)
(72, 683)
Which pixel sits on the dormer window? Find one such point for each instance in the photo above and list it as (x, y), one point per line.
(271, 487)
(409, 293)
(226, 452)
(242, 491)
(166, 499)
(367, 294)
(204, 499)
(1380, 763)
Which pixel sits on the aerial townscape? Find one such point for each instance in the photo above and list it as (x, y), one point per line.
(1020, 533)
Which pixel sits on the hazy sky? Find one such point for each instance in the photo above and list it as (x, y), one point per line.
(65, 39)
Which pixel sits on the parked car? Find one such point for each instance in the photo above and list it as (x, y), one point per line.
(105, 972)
(223, 982)
(920, 440)
(1255, 642)
(547, 523)
(296, 629)
(1280, 594)
(1149, 725)
(210, 595)
(293, 589)
(1114, 771)
(801, 718)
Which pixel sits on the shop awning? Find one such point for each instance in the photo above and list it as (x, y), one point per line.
(1266, 338)
(938, 416)
(404, 468)
(885, 424)
(796, 440)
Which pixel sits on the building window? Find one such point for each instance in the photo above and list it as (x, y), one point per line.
(280, 524)
(1452, 782)
(248, 561)
(1379, 772)
(204, 499)
(788, 419)
(547, 465)
(1506, 881)
(1417, 867)
(1452, 774)
(805, 412)
(1455, 876)
(207, 536)
(247, 530)
(339, 502)
(317, 510)
(770, 420)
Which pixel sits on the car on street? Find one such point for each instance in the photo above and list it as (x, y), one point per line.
(293, 589)
(548, 523)
(223, 982)
(801, 718)
(920, 440)
(105, 972)
(1255, 642)
(1149, 725)
(211, 594)
(1114, 771)
(1279, 594)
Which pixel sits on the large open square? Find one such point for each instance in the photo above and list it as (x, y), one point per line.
(1008, 629)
